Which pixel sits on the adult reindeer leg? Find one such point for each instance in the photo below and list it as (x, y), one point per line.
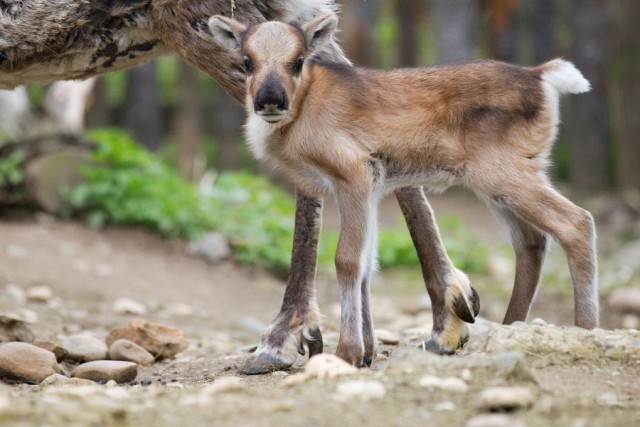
(299, 319)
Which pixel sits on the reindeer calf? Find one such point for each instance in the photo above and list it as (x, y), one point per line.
(360, 134)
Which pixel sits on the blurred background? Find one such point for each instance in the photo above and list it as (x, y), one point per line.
(168, 153)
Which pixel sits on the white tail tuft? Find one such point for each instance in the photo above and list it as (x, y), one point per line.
(564, 77)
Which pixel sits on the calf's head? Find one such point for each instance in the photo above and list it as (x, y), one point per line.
(273, 55)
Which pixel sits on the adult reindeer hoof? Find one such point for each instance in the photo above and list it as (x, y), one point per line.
(467, 307)
(264, 363)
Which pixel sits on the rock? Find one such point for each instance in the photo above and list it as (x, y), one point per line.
(626, 300)
(129, 306)
(387, 337)
(493, 420)
(608, 399)
(538, 321)
(361, 389)
(213, 247)
(13, 327)
(223, 385)
(39, 294)
(106, 370)
(445, 406)
(57, 379)
(621, 344)
(159, 340)
(60, 352)
(631, 321)
(26, 362)
(85, 348)
(505, 398)
(179, 309)
(451, 384)
(129, 351)
(15, 294)
(328, 366)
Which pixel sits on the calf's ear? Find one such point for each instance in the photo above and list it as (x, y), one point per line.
(227, 32)
(318, 31)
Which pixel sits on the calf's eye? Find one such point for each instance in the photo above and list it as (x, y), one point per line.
(297, 66)
(248, 65)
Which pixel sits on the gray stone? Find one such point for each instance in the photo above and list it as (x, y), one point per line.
(361, 389)
(26, 362)
(505, 398)
(129, 351)
(620, 344)
(214, 247)
(625, 299)
(13, 327)
(15, 294)
(493, 420)
(450, 384)
(106, 370)
(129, 306)
(57, 379)
(387, 337)
(85, 348)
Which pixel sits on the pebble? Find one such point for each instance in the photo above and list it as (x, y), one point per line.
(223, 385)
(608, 399)
(58, 379)
(129, 351)
(26, 362)
(493, 420)
(129, 306)
(179, 309)
(626, 299)
(328, 366)
(361, 389)
(13, 327)
(451, 384)
(39, 294)
(106, 370)
(213, 247)
(444, 406)
(505, 398)
(175, 385)
(85, 348)
(15, 294)
(631, 321)
(55, 348)
(538, 321)
(159, 340)
(387, 337)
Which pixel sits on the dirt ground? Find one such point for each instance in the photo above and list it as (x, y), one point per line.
(223, 308)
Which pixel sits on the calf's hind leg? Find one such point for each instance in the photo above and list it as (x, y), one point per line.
(453, 300)
(533, 200)
(530, 246)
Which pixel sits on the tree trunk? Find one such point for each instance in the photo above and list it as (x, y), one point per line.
(587, 119)
(358, 22)
(626, 101)
(228, 121)
(502, 29)
(454, 29)
(143, 114)
(408, 13)
(543, 30)
(188, 124)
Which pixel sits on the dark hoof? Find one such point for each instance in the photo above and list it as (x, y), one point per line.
(432, 346)
(475, 302)
(315, 344)
(462, 309)
(367, 362)
(264, 363)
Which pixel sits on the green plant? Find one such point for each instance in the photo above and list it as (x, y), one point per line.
(10, 171)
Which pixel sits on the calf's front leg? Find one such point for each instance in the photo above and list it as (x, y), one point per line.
(298, 322)
(357, 235)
